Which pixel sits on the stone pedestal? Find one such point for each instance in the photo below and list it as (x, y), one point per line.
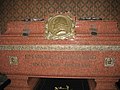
(105, 83)
(21, 83)
(25, 83)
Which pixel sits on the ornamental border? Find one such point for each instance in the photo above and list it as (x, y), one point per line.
(61, 47)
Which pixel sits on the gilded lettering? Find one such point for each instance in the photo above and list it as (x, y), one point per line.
(60, 57)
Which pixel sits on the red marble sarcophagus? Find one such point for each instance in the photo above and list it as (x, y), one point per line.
(61, 47)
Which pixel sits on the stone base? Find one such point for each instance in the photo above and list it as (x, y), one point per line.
(21, 83)
(28, 83)
(105, 83)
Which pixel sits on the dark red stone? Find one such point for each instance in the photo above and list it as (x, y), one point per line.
(61, 64)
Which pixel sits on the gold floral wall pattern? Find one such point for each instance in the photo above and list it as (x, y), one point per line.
(21, 9)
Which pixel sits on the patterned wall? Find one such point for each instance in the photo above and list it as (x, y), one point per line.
(20, 9)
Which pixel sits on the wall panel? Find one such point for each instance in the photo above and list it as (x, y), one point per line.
(20, 9)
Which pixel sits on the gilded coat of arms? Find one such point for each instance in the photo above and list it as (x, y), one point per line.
(60, 26)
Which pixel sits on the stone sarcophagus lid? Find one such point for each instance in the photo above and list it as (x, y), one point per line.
(60, 47)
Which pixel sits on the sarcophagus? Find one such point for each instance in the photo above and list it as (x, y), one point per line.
(61, 47)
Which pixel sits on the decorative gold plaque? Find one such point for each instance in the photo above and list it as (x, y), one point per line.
(13, 60)
(109, 62)
(60, 26)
